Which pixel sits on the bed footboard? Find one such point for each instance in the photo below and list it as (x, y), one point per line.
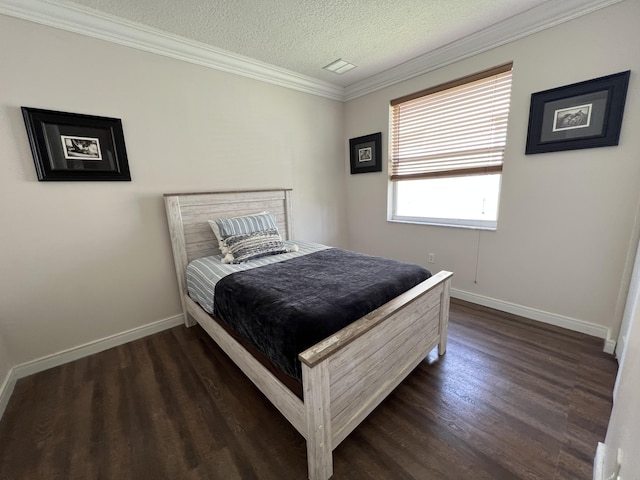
(346, 376)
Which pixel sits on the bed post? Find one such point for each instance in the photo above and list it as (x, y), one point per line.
(288, 214)
(315, 382)
(176, 233)
(444, 316)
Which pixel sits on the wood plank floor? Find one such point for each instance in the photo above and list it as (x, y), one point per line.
(511, 399)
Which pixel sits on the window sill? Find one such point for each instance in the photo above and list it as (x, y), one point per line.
(443, 224)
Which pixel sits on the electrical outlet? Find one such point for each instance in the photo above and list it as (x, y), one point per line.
(432, 258)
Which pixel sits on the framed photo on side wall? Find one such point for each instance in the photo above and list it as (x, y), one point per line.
(366, 153)
(582, 115)
(71, 146)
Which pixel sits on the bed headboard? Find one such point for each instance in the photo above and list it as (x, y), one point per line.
(188, 215)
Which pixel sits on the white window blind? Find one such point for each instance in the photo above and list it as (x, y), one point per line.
(455, 129)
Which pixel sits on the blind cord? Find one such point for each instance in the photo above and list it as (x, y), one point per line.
(475, 279)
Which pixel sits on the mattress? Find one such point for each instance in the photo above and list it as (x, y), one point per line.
(203, 273)
(286, 307)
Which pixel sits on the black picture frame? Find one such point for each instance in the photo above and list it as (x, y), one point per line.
(582, 115)
(75, 147)
(366, 153)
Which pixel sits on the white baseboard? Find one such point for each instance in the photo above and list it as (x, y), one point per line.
(50, 361)
(6, 389)
(610, 346)
(546, 317)
(71, 354)
(598, 462)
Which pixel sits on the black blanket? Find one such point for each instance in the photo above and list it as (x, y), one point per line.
(284, 308)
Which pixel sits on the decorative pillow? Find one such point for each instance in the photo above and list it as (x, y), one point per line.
(225, 227)
(216, 232)
(243, 247)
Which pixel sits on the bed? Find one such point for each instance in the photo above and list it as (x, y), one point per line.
(345, 376)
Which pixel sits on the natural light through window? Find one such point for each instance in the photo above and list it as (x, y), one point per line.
(451, 201)
(447, 148)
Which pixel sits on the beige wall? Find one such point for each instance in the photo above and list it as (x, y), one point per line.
(566, 219)
(5, 365)
(6, 383)
(85, 260)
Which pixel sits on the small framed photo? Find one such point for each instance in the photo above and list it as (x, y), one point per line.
(81, 148)
(582, 115)
(365, 153)
(72, 146)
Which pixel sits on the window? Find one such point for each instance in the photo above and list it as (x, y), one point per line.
(447, 150)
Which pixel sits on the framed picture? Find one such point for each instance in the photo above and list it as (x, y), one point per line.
(71, 146)
(583, 115)
(365, 153)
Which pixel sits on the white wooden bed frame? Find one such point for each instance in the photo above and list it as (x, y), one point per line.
(345, 376)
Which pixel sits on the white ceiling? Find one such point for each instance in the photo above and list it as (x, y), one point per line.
(305, 35)
(289, 41)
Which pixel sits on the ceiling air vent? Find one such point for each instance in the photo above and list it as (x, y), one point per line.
(339, 66)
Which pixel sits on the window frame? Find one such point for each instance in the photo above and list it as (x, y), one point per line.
(393, 217)
(394, 179)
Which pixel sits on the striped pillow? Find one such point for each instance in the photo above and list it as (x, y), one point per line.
(243, 247)
(226, 227)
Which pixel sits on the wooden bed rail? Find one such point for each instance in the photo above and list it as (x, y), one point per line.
(325, 349)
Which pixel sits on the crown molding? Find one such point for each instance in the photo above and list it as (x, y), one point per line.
(545, 16)
(92, 23)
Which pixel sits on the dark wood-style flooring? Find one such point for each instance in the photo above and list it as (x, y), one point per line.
(511, 399)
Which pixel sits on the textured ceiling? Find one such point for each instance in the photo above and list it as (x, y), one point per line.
(305, 35)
